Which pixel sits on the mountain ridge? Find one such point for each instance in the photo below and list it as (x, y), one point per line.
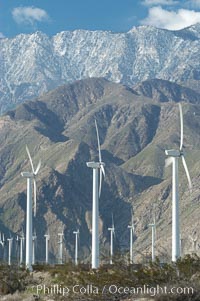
(34, 64)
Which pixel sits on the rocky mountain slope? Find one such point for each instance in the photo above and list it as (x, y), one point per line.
(136, 125)
(33, 64)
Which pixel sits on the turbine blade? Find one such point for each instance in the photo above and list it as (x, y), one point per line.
(98, 141)
(38, 168)
(187, 172)
(191, 238)
(136, 221)
(100, 182)
(154, 213)
(168, 162)
(113, 226)
(29, 155)
(35, 196)
(103, 170)
(181, 126)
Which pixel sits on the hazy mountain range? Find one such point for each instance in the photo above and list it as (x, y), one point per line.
(34, 64)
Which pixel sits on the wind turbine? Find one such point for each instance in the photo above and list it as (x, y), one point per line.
(21, 238)
(60, 242)
(181, 245)
(10, 240)
(96, 166)
(30, 176)
(76, 246)
(153, 229)
(132, 231)
(47, 237)
(194, 239)
(173, 158)
(34, 246)
(112, 233)
(17, 248)
(2, 242)
(2, 239)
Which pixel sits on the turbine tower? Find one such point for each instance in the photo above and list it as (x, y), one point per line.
(173, 158)
(30, 176)
(60, 243)
(194, 239)
(2, 242)
(21, 238)
(76, 246)
(181, 245)
(132, 231)
(10, 240)
(153, 229)
(96, 166)
(47, 237)
(112, 233)
(18, 248)
(34, 247)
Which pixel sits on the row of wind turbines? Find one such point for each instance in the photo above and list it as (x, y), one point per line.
(98, 169)
(19, 240)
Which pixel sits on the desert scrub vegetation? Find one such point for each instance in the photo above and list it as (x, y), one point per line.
(183, 274)
(12, 279)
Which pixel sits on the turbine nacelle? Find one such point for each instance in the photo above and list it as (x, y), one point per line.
(131, 227)
(151, 225)
(27, 174)
(60, 234)
(173, 153)
(95, 164)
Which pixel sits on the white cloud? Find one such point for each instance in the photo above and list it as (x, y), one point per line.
(1, 35)
(159, 2)
(29, 14)
(172, 20)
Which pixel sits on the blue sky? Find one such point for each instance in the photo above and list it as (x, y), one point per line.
(50, 16)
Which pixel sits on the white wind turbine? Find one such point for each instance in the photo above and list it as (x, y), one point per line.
(112, 233)
(34, 247)
(173, 158)
(17, 247)
(132, 231)
(21, 238)
(2, 239)
(194, 239)
(2, 242)
(153, 228)
(10, 241)
(181, 245)
(60, 243)
(31, 176)
(96, 166)
(47, 238)
(76, 233)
